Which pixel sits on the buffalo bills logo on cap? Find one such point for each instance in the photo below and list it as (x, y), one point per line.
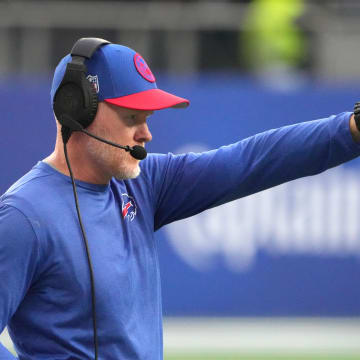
(143, 68)
(128, 207)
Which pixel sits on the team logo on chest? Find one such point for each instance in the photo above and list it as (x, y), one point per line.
(128, 207)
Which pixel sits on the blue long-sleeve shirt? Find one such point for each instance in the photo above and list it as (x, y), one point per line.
(45, 288)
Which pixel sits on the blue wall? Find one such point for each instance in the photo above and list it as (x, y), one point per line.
(235, 266)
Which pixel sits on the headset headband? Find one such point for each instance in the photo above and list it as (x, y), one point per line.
(85, 47)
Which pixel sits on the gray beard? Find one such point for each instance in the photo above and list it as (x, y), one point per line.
(127, 174)
(101, 154)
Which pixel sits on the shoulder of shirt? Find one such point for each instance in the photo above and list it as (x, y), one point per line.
(27, 187)
(18, 216)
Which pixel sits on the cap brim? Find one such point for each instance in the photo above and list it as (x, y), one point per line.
(153, 99)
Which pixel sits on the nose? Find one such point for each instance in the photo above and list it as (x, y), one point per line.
(143, 134)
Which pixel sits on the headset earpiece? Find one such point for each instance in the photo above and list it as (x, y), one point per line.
(76, 97)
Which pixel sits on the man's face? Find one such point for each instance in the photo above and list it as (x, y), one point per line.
(124, 127)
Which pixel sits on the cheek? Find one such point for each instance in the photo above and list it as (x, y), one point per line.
(119, 134)
(124, 137)
(97, 149)
(120, 156)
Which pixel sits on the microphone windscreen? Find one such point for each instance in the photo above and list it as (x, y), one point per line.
(138, 152)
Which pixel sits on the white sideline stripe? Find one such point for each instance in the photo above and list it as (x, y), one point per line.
(257, 335)
(275, 335)
(6, 341)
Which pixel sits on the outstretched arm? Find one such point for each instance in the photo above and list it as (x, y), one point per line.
(184, 185)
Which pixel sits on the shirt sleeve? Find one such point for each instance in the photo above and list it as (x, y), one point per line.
(18, 260)
(184, 185)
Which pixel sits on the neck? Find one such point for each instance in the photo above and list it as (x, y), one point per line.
(83, 169)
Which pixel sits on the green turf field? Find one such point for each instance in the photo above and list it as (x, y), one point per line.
(260, 357)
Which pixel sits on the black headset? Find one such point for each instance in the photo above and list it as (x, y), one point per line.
(76, 97)
(75, 105)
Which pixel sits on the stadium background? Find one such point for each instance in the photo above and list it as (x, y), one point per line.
(271, 276)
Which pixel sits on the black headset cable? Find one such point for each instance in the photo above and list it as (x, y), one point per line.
(66, 133)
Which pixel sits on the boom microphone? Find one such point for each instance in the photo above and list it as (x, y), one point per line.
(137, 152)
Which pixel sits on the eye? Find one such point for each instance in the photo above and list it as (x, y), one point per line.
(137, 118)
(131, 118)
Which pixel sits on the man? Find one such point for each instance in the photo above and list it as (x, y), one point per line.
(45, 289)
